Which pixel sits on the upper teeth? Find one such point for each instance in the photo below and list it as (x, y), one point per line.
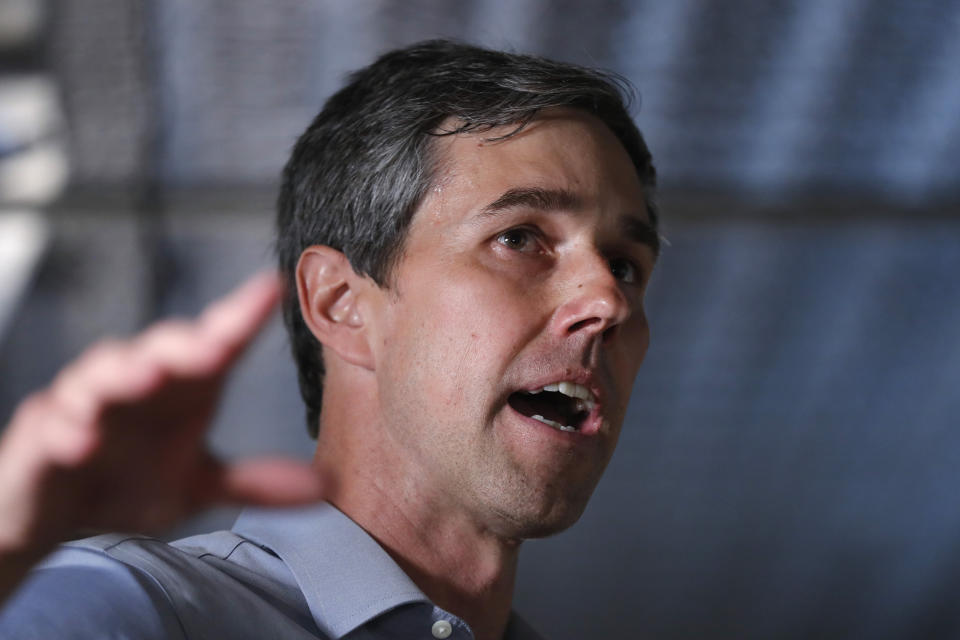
(571, 389)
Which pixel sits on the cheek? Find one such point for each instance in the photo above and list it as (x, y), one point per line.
(626, 361)
(474, 307)
(460, 330)
(640, 339)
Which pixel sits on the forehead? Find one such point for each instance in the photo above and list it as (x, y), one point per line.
(562, 150)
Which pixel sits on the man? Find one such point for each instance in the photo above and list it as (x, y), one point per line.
(466, 237)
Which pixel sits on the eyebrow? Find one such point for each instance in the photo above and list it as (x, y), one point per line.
(635, 228)
(534, 198)
(641, 231)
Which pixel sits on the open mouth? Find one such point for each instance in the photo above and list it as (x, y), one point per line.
(565, 406)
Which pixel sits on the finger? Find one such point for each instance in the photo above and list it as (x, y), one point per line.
(208, 346)
(110, 371)
(181, 348)
(41, 434)
(265, 482)
(120, 370)
(237, 318)
(62, 440)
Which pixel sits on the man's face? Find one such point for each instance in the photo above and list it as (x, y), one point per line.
(524, 267)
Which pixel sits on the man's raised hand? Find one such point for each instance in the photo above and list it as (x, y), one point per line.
(117, 441)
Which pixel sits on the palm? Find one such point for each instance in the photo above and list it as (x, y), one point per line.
(118, 440)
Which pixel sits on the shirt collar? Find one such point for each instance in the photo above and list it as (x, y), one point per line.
(346, 578)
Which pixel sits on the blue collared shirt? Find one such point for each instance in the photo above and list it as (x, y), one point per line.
(291, 574)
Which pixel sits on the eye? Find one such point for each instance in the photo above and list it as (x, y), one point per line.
(519, 239)
(624, 270)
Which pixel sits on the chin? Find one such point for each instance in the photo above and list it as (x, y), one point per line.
(538, 518)
(546, 528)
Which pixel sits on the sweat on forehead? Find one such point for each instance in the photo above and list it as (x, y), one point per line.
(463, 155)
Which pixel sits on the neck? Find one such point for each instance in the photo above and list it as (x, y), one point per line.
(459, 564)
(461, 570)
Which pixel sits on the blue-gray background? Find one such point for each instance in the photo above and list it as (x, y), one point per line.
(791, 460)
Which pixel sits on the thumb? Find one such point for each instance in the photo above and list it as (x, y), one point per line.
(267, 482)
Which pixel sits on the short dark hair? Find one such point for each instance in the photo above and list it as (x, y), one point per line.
(360, 170)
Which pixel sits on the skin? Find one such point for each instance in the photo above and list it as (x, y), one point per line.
(116, 442)
(424, 451)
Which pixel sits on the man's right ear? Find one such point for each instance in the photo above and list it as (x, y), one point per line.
(328, 287)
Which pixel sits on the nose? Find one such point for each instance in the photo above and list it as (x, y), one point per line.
(593, 300)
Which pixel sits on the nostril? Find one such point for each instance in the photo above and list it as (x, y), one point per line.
(582, 324)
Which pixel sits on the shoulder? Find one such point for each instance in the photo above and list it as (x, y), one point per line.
(140, 587)
(82, 592)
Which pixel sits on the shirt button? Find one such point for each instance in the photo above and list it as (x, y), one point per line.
(441, 629)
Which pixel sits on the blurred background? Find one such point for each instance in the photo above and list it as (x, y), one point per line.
(791, 459)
